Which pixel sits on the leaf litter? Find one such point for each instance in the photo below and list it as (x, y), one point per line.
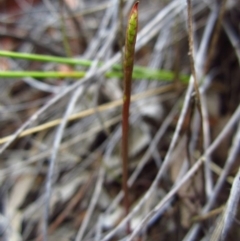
(170, 155)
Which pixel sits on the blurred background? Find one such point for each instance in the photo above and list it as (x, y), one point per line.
(62, 179)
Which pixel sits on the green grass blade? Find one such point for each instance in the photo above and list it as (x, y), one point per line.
(138, 71)
(159, 75)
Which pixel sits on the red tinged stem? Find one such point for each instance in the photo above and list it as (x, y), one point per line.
(131, 34)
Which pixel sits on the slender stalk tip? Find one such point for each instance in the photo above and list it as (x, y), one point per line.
(131, 35)
(135, 7)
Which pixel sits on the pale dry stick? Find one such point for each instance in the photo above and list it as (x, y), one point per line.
(103, 50)
(162, 169)
(95, 104)
(145, 158)
(24, 105)
(36, 115)
(152, 28)
(92, 205)
(215, 234)
(200, 64)
(104, 68)
(128, 6)
(101, 174)
(102, 32)
(218, 170)
(115, 138)
(164, 166)
(197, 94)
(5, 226)
(163, 15)
(91, 111)
(155, 62)
(153, 146)
(165, 19)
(114, 141)
(197, 122)
(86, 11)
(206, 132)
(99, 37)
(228, 127)
(57, 141)
(87, 162)
(41, 200)
(40, 25)
(62, 126)
(202, 51)
(121, 28)
(208, 215)
(159, 213)
(201, 56)
(78, 195)
(63, 30)
(230, 210)
(161, 206)
(95, 8)
(156, 57)
(206, 143)
(39, 85)
(101, 53)
(51, 8)
(92, 131)
(227, 218)
(54, 152)
(191, 235)
(161, 43)
(18, 168)
(78, 23)
(33, 40)
(98, 229)
(143, 37)
(159, 21)
(94, 64)
(208, 30)
(233, 37)
(221, 11)
(166, 161)
(158, 47)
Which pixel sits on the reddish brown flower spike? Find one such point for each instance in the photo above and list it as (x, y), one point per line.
(131, 35)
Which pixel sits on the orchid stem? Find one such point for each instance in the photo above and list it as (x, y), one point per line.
(128, 69)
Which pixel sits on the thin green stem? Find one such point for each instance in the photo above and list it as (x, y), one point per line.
(162, 75)
(46, 58)
(37, 74)
(138, 71)
(64, 36)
